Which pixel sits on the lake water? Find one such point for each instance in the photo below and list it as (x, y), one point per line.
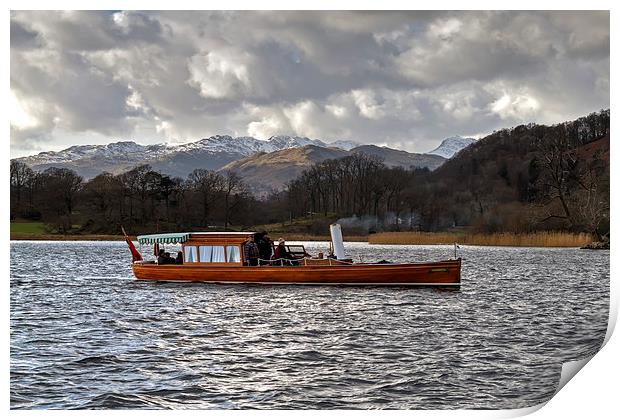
(85, 334)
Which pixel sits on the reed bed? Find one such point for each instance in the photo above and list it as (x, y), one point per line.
(308, 237)
(537, 239)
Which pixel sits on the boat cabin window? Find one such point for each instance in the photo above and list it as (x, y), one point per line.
(190, 254)
(232, 254)
(212, 253)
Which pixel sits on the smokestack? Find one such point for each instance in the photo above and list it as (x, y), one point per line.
(337, 240)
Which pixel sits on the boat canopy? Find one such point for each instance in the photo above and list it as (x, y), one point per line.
(163, 238)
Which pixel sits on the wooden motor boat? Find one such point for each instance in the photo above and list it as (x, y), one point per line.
(218, 257)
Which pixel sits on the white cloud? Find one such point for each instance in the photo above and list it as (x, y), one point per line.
(337, 111)
(305, 118)
(515, 106)
(266, 127)
(405, 79)
(135, 100)
(445, 29)
(19, 117)
(219, 74)
(367, 104)
(164, 127)
(121, 19)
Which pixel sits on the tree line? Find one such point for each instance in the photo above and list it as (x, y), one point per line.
(527, 178)
(140, 198)
(358, 185)
(523, 179)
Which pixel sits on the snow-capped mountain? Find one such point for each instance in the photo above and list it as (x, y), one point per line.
(216, 144)
(344, 144)
(245, 146)
(121, 150)
(178, 160)
(451, 146)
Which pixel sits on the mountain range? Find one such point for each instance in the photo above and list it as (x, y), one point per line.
(176, 160)
(264, 164)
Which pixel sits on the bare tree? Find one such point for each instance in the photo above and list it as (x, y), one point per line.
(558, 160)
(136, 182)
(21, 176)
(592, 199)
(233, 187)
(101, 195)
(61, 187)
(208, 184)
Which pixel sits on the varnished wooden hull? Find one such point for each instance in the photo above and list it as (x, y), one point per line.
(441, 273)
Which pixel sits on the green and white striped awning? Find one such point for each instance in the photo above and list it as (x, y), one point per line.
(163, 238)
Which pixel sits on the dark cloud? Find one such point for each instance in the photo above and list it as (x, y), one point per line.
(22, 37)
(405, 79)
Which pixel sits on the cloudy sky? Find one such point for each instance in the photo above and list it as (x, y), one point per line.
(401, 79)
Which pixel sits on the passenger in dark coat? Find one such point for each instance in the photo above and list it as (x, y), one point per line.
(179, 259)
(165, 258)
(264, 247)
(161, 257)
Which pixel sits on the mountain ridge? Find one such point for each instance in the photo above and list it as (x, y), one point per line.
(266, 172)
(178, 160)
(212, 153)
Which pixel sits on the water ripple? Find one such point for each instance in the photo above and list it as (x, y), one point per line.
(85, 335)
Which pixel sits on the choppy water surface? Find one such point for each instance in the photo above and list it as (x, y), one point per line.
(84, 334)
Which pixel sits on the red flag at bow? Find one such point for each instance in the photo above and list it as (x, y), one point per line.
(135, 254)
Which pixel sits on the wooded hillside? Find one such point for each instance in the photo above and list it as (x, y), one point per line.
(523, 179)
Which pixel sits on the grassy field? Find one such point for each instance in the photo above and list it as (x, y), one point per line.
(29, 228)
(542, 239)
(57, 237)
(37, 231)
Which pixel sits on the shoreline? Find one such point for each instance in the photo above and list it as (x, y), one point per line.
(386, 238)
(95, 237)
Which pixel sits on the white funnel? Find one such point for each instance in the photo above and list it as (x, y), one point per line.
(337, 242)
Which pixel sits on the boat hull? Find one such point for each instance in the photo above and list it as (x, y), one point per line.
(441, 273)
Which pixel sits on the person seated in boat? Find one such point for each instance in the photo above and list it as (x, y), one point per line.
(179, 259)
(282, 256)
(164, 258)
(250, 252)
(264, 247)
(161, 256)
(168, 259)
